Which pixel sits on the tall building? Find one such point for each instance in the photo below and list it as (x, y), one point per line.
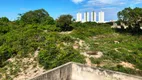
(93, 16)
(79, 17)
(86, 17)
(101, 17)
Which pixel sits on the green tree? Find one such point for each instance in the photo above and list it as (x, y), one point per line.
(4, 25)
(49, 21)
(4, 19)
(36, 17)
(64, 22)
(131, 18)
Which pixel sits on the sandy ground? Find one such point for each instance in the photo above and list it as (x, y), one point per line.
(127, 65)
(30, 67)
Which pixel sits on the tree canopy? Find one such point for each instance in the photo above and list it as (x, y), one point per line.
(37, 17)
(4, 19)
(64, 22)
(131, 17)
(4, 27)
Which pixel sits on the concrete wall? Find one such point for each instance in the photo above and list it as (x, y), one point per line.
(75, 71)
(83, 72)
(60, 73)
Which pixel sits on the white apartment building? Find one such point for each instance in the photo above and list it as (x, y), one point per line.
(93, 17)
(79, 17)
(101, 17)
(86, 17)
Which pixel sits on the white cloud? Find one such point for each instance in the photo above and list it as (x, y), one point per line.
(102, 3)
(110, 7)
(138, 1)
(77, 1)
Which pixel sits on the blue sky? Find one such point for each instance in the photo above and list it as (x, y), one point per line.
(11, 8)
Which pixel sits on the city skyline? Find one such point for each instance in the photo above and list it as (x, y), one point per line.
(11, 8)
(91, 17)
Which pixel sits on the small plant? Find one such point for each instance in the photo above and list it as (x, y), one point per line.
(95, 61)
(53, 56)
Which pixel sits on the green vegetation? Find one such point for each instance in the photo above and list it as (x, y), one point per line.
(64, 22)
(36, 30)
(119, 47)
(53, 56)
(37, 17)
(131, 18)
(120, 68)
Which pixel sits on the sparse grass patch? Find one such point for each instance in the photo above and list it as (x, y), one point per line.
(89, 31)
(123, 69)
(121, 47)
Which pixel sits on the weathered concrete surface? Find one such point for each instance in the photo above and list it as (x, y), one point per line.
(60, 73)
(83, 72)
(75, 71)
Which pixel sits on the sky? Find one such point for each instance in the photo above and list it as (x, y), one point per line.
(11, 8)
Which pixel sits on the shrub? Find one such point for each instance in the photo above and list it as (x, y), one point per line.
(95, 61)
(63, 22)
(36, 16)
(66, 38)
(53, 56)
(49, 28)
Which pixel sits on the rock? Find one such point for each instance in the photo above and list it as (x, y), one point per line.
(116, 42)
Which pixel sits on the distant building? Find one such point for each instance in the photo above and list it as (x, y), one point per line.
(101, 17)
(93, 16)
(113, 20)
(86, 17)
(79, 17)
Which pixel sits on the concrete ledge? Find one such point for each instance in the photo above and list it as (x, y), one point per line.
(84, 72)
(62, 72)
(77, 71)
